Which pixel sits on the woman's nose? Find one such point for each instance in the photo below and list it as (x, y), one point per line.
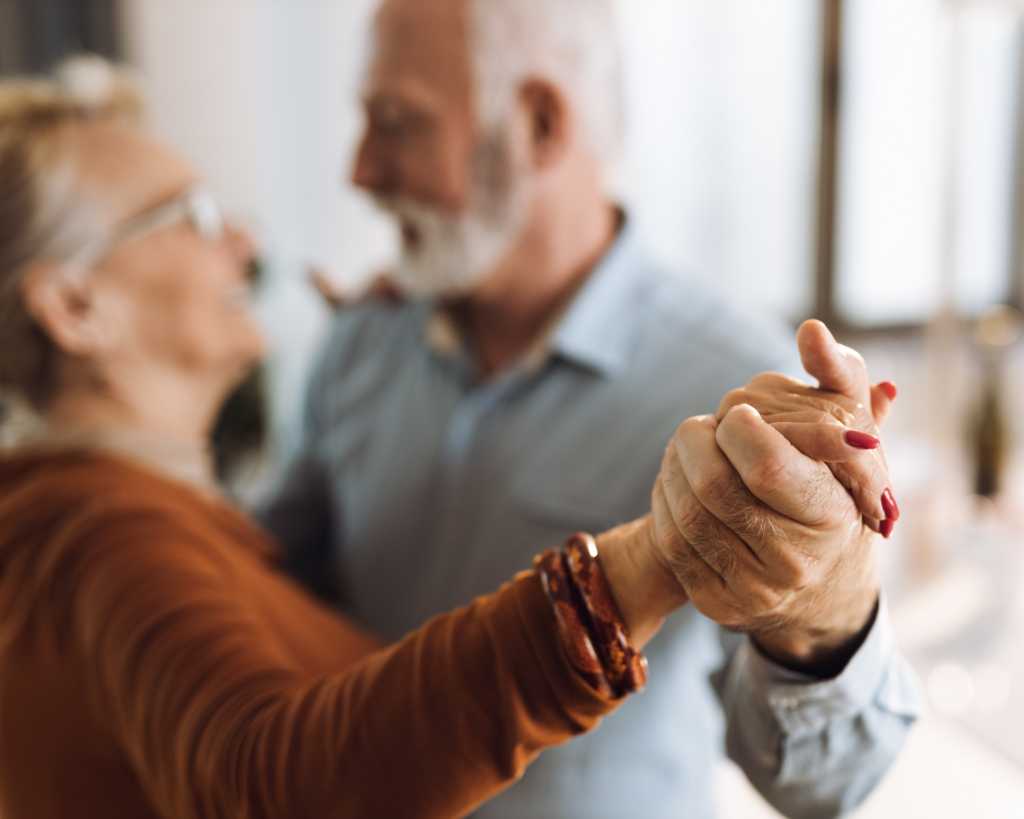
(241, 244)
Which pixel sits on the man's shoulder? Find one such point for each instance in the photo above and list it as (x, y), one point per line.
(679, 317)
(371, 328)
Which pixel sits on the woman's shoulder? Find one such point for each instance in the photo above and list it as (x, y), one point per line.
(77, 495)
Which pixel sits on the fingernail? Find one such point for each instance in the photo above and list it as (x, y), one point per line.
(861, 440)
(886, 527)
(892, 511)
(889, 389)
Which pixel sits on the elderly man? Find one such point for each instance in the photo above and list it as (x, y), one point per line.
(536, 327)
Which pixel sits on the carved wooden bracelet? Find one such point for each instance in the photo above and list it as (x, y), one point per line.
(624, 666)
(570, 620)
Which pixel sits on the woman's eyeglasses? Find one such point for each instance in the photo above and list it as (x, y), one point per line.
(196, 205)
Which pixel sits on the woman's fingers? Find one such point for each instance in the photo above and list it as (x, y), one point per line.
(883, 396)
(830, 442)
(854, 457)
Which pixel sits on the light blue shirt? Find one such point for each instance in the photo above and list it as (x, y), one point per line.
(419, 487)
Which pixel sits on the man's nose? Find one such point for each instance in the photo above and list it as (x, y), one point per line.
(373, 170)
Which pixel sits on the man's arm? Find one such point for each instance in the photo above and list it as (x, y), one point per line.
(769, 544)
(817, 748)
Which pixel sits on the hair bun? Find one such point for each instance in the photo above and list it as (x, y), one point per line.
(89, 80)
(99, 87)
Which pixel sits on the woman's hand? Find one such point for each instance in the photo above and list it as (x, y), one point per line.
(837, 423)
(644, 586)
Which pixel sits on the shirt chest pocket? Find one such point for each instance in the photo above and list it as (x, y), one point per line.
(563, 517)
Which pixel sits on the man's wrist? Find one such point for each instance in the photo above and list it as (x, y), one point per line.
(817, 652)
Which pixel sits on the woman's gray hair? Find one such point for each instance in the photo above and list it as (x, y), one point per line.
(45, 213)
(571, 43)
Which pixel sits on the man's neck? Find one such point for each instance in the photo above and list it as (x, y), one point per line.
(540, 276)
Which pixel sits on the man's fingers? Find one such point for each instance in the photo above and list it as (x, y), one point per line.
(778, 474)
(836, 367)
(689, 567)
(717, 487)
(385, 288)
(719, 547)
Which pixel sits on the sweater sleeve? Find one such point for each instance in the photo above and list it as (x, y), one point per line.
(217, 720)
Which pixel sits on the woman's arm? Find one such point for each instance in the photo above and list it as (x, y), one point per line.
(218, 720)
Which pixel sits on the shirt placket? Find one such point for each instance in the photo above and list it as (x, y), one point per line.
(459, 490)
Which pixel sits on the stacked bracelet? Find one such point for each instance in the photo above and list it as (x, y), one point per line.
(589, 623)
(572, 629)
(625, 667)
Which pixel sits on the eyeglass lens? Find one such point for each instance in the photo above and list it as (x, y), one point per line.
(206, 216)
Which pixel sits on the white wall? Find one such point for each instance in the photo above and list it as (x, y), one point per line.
(259, 96)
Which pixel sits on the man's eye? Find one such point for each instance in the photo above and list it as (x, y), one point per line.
(399, 127)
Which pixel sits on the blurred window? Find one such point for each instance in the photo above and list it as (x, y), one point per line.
(929, 129)
(722, 148)
(36, 34)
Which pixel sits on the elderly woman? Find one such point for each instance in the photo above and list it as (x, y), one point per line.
(153, 662)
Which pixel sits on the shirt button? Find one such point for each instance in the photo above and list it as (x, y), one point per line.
(769, 760)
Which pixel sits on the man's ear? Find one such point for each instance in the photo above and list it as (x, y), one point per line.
(550, 122)
(64, 305)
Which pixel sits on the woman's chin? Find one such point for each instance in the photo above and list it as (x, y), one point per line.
(248, 345)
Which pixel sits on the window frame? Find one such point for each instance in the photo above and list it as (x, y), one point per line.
(832, 42)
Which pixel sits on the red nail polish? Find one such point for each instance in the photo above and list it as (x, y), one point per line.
(889, 389)
(892, 511)
(887, 526)
(861, 440)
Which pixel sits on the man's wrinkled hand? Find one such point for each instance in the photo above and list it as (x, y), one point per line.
(756, 527)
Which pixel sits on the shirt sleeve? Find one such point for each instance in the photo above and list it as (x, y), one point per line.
(818, 748)
(217, 720)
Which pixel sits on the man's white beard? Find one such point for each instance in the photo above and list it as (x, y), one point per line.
(454, 252)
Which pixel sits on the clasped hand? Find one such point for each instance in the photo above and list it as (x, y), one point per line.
(766, 513)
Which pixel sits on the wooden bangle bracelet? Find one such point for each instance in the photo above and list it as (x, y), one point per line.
(624, 666)
(569, 619)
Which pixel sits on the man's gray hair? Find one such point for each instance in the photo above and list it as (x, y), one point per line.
(571, 43)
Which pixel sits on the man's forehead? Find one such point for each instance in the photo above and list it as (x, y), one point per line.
(420, 45)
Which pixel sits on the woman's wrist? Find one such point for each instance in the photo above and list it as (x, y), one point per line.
(644, 587)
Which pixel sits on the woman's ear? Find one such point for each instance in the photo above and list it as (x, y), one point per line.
(549, 120)
(64, 305)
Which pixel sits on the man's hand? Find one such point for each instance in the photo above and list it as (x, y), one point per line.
(762, 537)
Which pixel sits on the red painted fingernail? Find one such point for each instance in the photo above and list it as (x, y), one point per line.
(861, 440)
(887, 526)
(889, 389)
(892, 511)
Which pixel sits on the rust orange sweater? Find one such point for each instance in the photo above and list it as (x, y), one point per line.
(153, 662)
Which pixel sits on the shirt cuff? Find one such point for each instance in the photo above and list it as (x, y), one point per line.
(803, 705)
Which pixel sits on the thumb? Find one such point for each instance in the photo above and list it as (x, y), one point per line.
(836, 367)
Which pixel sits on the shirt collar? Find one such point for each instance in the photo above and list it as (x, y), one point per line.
(594, 331)
(598, 329)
